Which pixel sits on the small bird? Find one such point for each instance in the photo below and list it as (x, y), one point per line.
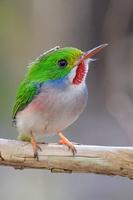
(53, 94)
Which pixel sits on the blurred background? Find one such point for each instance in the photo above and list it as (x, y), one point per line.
(28, 28)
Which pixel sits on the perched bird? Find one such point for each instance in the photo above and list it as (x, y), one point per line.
(53, 94)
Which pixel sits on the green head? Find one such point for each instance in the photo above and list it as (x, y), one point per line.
(55, 64)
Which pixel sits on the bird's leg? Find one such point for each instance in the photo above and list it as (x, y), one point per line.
(35, 146)
(65, 141)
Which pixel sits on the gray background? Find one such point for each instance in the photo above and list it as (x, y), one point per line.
(28, 28)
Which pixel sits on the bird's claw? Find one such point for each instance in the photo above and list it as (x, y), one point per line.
(70, 146)
(36, 149)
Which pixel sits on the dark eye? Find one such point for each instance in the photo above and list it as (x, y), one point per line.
(62, 63)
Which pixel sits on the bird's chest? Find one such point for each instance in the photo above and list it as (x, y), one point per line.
(55, 108)
(62, 106)
(67, 102)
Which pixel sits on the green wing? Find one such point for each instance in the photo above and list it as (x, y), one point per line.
(25, 94)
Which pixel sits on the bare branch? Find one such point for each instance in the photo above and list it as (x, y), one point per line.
(89, 159)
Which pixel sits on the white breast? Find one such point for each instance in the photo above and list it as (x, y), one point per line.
(56, 109)
(68, 107)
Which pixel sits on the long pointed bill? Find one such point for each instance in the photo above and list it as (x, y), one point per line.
(92, 52)
(82, 67)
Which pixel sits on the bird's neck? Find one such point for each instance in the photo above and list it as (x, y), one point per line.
(78, 74)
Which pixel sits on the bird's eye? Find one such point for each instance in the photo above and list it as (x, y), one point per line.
(62, 63)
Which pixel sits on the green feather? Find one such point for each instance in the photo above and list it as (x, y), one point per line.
(25, 94)
(43, 69)
(46, 67)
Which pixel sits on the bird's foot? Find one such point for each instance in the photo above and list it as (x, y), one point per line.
(68, 143)
(35, 147)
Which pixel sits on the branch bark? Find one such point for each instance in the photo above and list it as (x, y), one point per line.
(89, 159)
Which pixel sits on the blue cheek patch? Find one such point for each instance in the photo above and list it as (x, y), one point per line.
(58, 84)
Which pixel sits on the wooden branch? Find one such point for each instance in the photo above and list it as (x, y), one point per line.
(57, 158)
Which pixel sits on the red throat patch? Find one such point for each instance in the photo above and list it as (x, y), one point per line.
(80, 73)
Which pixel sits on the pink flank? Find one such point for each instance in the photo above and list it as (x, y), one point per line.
(36, 105)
